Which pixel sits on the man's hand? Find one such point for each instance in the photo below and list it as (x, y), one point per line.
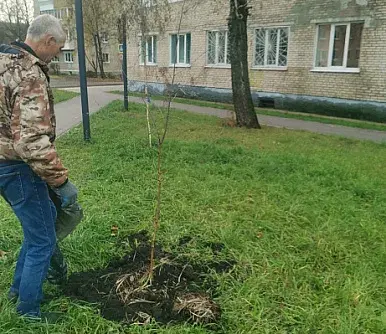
(67, 193)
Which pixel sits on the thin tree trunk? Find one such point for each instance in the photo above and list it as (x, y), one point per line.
(147, 101)
(96, 55)
(157, 216)
(92, 64)
(161, 140)
(238, 38)
(100, 56)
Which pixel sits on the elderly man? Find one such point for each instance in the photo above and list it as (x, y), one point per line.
(33, 179)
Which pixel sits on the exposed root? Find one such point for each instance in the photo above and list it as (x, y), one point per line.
(199, 307)
(126, 286)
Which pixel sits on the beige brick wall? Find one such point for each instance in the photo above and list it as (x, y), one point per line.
(302, 18)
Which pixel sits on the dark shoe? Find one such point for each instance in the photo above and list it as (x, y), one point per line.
(45, 317)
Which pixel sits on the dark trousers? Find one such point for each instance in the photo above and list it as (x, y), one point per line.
(29, 198)
(42, 219)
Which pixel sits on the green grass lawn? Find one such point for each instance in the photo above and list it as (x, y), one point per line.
(278, 113)
(63, 95)
(303, 214)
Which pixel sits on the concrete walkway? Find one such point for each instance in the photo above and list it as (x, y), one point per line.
(69, 114)
(281, 122)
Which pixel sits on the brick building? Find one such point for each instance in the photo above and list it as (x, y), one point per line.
(67, 61)
(325, 53)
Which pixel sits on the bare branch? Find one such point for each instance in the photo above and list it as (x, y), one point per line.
(161, 140)
(17, 15)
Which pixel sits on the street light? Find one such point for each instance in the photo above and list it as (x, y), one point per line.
(82, 70)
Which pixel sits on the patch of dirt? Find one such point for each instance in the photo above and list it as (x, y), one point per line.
(180, 290)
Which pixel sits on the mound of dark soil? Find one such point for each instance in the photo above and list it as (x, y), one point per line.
(179, 291)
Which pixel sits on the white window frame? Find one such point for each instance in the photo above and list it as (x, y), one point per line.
(108, 58)
(217, 64)
(178, 64)
(69, 12)
(56, 59)
(65, 57)
(267, 66)
(105, 37)
(69, 36)
(120, 48)
(329, 67)
(150, 63)
(59, 13)
(147, 3)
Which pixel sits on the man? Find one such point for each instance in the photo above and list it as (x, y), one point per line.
(33, 179)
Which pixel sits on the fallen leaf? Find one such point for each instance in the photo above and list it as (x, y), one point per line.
(356, 299)
(114, 230)
(2, 254)
(260, 235)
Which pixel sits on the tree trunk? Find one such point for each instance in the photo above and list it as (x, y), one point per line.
(100, 56)
(96, 55)
(238, 39)
(93, 64)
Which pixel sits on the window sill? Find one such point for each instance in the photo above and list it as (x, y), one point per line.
(180, 65)
(218, 66)
(268, 68)
(148, 64)
(336, 70)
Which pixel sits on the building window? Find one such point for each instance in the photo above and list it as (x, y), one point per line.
(69, 12)
(338, 46)
(149, 50)
(120, 48)
(56, 59)
(69, 35)
(217, 48)
(105, 37)
(68, 57)
(180, 49)
(61, 13)
(147, 3)
(106, 57)
(271, 47)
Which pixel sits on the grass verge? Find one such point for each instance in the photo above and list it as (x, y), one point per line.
(63, 95)
(303, 214)
(277, 113)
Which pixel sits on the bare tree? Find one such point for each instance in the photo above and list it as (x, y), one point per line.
(146, 18)
(100, 20)
(161, 136)
(238, 38)
(17, 16)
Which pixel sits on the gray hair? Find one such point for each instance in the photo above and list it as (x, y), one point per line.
(44, 25)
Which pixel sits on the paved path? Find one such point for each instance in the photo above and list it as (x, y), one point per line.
(288, 123)
(326, 129)
(69, 114)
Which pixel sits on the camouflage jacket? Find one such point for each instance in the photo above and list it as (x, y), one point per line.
(27, 119)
